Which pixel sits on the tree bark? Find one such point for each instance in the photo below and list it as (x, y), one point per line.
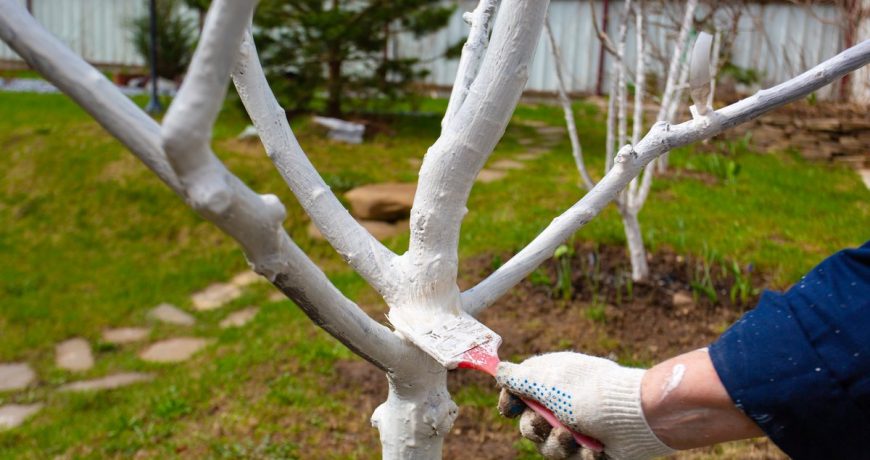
(636, 248)
(333, 103)
(417, 414)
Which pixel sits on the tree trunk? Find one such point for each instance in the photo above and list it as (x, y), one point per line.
(335, 88)
(636, 249)
(417, 414)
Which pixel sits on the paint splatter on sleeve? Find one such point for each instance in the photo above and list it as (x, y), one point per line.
(799, 363)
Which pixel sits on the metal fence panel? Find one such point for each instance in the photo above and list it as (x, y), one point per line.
(778, 39)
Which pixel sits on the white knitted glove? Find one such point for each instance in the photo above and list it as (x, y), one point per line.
(593, 396)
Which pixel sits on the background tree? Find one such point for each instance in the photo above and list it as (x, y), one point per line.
(342, 47)
(176, 37)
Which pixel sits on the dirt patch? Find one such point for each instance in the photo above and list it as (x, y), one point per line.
(641, 324)
(607, 314)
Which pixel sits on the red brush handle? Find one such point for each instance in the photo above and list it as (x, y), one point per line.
(583, 440)
(487, 361)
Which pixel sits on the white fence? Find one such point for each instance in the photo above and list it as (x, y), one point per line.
(778, 39)
(98, 30)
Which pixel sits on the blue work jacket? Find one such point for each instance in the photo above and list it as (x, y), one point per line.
(799, 363)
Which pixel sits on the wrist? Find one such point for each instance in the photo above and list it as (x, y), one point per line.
(686, 405)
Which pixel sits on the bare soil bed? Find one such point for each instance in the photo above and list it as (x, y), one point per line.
(637, 325)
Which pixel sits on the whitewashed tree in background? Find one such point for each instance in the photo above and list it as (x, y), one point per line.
(418, 412)
(631, 200)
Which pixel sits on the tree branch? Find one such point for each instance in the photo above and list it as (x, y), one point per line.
(257, 229)
(629, 162)
(565, 101)
(676, 58)
(602, 35)
(472, 56)
(360, 249)
(452, 163)
(639, 89)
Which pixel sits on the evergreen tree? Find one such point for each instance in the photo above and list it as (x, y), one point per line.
(340, 47)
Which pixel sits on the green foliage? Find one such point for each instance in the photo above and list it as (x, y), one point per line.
(346, 180)
(540, 278)
(341, 49)
(564, 287)
(176, 37)
(742, 75)
(701, 279)
(742, 289)
(170, 405)
(596, 312)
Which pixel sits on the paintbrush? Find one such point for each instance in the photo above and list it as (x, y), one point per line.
(460, 341)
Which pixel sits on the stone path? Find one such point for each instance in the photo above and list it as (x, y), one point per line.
(171, 314)
(508, 165)
(13, 415)
(123, 335)
(15, 376)
(246, 278)
(215, 296)
(549, 137)
(486, 176)
(173, 350)
(239, 318)
(74, 355)
(109, 382)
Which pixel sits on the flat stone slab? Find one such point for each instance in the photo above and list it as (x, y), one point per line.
(529, 156)
(74, 355)
(171, 314)
(246, 278)
(15, 376)
(682, 299)
(13, 415)
(385, 202)
(865, 176)
(239, 318)
(173, 350)
(380, 230)
(490, 175)
(109, 382)
(215, 296)
(550, 130)
(507, 165)
(124, 335)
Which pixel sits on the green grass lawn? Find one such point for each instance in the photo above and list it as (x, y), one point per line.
(89, 239)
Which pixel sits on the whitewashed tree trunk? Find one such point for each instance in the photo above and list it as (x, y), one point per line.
(418, 412)
(676, 72)
(634, 240)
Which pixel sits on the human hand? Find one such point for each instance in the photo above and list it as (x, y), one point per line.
(593, 396)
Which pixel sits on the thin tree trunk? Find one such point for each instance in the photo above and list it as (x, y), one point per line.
(634, 238)
(333, 104)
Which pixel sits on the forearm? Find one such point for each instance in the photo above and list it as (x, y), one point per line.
(686, 405)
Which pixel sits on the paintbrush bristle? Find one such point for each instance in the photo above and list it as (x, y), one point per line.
(448, 337)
